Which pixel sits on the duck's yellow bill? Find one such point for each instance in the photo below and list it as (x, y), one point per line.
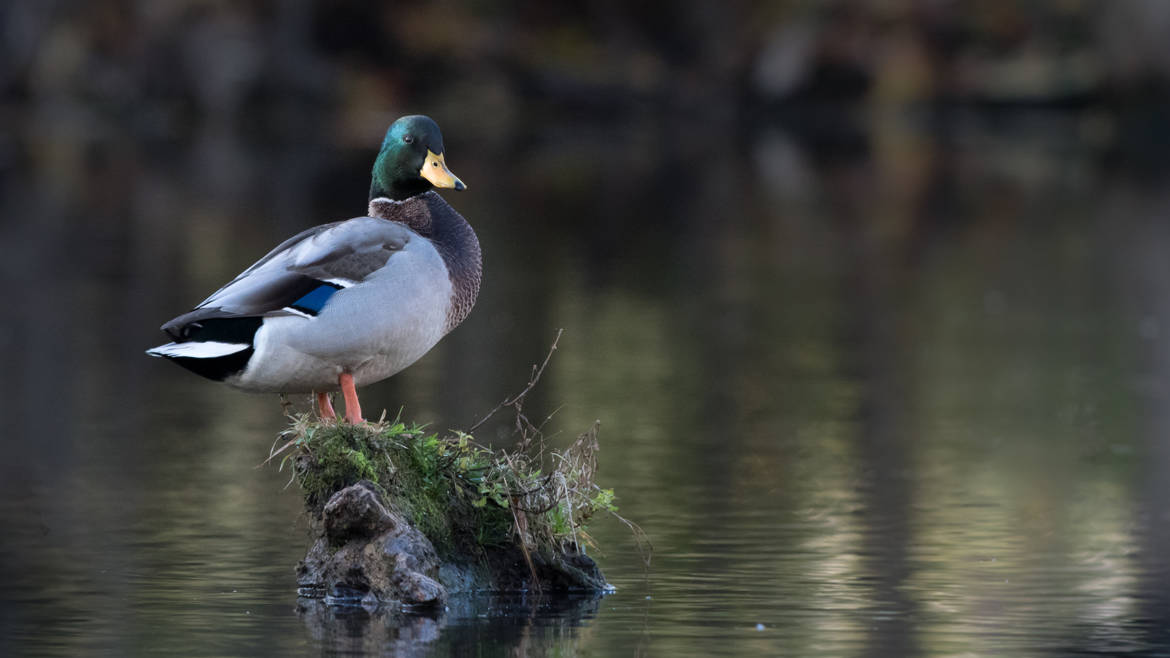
(435, 170)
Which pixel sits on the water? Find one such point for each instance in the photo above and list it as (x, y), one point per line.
(903, 396)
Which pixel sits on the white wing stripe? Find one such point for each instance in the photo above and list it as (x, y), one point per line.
(198, 350)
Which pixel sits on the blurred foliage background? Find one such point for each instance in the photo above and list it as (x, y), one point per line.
(164, 64)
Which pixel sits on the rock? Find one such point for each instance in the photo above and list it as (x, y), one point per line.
(355, 513)
(434, 523)
(366, 553)
(508, 571)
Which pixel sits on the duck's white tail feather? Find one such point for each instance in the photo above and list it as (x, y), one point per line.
(198, 349)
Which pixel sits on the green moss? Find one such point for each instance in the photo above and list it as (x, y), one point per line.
(464, 497)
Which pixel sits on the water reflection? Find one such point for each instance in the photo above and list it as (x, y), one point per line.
(505, 625)
(897, 394)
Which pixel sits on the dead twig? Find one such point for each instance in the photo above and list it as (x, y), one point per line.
(641, 540)
(521, 524)
(517, 400)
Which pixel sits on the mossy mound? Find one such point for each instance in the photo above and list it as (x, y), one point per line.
(496, 520)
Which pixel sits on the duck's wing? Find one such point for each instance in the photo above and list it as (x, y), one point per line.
(300, 274)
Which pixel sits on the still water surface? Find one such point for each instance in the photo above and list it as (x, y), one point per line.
(904, 397)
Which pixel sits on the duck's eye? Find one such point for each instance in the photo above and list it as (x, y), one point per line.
(434, 164)
(409, 139)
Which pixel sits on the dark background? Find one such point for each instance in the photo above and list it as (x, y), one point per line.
(871, 299)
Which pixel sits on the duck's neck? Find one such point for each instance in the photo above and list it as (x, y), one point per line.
(431, 217)
(388, 179)
(398, 190)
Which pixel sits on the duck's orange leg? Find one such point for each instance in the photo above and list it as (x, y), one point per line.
(353, 410)
(325, 406)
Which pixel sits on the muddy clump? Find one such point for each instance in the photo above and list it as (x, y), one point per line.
(401, 516)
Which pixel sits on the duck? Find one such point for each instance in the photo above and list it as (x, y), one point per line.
(350, 303)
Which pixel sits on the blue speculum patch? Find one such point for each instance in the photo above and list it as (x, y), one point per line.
(313, 301)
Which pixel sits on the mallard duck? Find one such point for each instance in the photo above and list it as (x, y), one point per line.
(349, 303)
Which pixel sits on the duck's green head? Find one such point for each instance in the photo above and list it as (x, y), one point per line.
(411, 160)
